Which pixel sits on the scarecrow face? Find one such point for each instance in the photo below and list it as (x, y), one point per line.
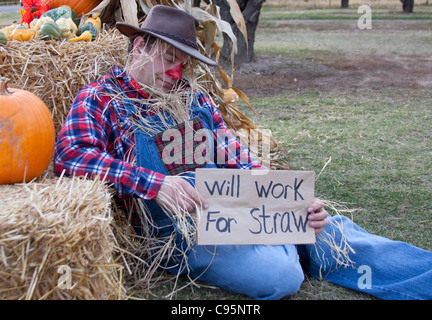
(159, 65)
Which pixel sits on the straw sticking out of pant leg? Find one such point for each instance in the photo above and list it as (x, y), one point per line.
(340, 250)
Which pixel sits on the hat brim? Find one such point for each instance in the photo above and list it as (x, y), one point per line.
(130, 30)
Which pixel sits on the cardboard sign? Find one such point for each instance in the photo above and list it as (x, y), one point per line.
(250, 208)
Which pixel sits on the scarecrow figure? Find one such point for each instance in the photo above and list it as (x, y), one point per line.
(121, 127)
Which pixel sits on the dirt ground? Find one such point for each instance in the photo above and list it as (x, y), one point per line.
(275, 75)
(269, 76)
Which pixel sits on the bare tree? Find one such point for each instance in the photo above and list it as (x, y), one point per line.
(407, 6)
(251, 10)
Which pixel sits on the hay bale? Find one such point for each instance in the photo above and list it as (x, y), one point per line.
(56, 70)
(55, 228)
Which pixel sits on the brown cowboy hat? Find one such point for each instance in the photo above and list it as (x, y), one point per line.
(174, 26)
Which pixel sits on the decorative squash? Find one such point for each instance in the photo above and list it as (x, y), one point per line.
(79, 6)
(22, 33)
(27, 135)
(8, 30)
(88, 27)
(96, 21)
(3, 38)
(85, 36)
(62, 12)
(50, 30)
(36, 24)
(67, 26)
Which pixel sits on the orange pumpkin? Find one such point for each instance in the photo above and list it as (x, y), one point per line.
(78, 6)
(27, 135)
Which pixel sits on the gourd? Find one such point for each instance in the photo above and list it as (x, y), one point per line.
(88, 27)
(3, 38)
(27, 135)
(85, 36)
(79, 6)
(67, 26)
(62, 12)
(36, 24)
(22, 33)
(96, 21)
(8, 30)
(50, 30)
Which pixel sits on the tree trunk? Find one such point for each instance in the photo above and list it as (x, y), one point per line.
(344, 4)
(251, 10)
(407, 6)
(107, 14)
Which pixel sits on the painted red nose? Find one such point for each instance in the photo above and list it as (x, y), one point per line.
(175, 73)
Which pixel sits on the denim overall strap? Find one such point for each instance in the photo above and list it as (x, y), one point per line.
(145, 150)
(148, 155)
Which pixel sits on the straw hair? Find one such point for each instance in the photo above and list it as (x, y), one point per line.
(169, 106)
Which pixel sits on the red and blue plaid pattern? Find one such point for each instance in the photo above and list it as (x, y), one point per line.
(97, 138)
(177, 147)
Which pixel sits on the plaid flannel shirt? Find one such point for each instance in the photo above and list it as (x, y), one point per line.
(97, 139)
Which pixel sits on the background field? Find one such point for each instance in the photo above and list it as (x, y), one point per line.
(362, 98)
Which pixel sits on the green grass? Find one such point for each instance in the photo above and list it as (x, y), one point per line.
(379, 142)
(296, 39)
(7, 18)
(379, 145)
(300, 42)
(275, 13)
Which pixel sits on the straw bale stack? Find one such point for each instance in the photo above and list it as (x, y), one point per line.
(56, 70)
(56, 241)
(54, 222)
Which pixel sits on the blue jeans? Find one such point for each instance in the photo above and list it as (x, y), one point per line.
(383, 268)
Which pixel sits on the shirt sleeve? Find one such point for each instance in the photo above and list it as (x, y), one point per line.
(82, 149)
(229, 152)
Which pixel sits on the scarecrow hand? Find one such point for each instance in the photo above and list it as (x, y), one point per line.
(178, 195)
(317, 215)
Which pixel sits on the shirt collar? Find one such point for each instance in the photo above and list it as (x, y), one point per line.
(119, 74)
